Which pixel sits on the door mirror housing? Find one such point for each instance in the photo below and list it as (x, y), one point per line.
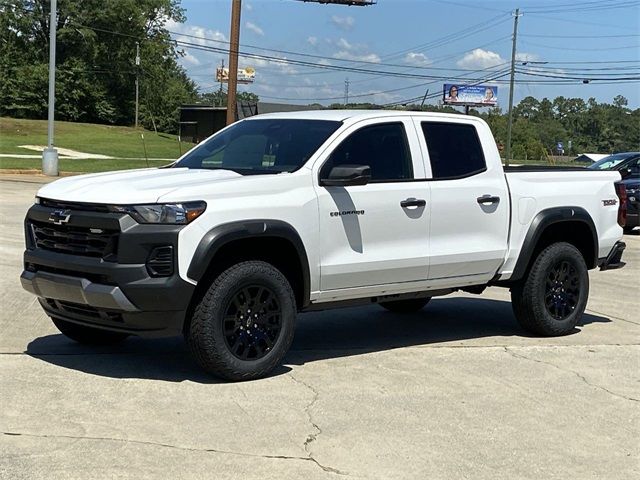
(347, 175)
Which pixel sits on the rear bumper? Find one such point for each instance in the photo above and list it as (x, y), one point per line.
(633, 220)
(614, 259)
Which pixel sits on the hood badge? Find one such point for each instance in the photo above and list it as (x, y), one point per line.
(58, 217)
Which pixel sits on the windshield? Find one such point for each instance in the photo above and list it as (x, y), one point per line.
(610, 162)
(261, 146)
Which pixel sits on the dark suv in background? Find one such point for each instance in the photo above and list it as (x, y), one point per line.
(628, 164)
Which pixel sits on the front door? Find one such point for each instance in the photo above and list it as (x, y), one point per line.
(374, 234)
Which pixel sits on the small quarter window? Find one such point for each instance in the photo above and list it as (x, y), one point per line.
(454, 150)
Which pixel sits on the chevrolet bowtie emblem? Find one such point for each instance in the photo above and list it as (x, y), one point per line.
(58, 217)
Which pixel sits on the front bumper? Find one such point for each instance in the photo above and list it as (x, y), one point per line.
(614, 259)
(114, 292)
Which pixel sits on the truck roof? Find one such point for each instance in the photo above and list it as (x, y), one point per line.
(355, 115)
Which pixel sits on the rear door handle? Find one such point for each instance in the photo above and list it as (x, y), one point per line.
(488, 200)
(413, 202)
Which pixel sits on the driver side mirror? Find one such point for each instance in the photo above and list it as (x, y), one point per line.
(347, 175)
(625, 172)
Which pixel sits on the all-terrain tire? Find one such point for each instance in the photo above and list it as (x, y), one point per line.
(411, 305)
(88, 335)
(208, 334)
(551, 299)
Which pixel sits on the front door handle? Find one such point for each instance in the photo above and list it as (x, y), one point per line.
(413, 202)
(488, 200)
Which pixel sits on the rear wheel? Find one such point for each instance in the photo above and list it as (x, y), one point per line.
(244, 324)
(553, 297)
(411, 305)
(88, 335)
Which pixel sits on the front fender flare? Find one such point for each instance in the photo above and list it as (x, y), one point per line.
(223, 234)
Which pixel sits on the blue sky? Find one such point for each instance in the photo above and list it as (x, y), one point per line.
(452, 39)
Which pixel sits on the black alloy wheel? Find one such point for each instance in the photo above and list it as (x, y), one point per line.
(243, 326)
(252, 322)
(562, 290)
(551, 298)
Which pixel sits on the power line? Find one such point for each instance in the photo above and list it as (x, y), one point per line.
(583, 7)
(554, 47)
(594, 37)
(564, 77)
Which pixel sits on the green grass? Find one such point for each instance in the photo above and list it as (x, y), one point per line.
(122, 142)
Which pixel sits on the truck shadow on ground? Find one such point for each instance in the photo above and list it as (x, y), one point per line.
(319, 336)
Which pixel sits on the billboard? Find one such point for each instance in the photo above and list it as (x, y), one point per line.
(245, 75)
(470, 95)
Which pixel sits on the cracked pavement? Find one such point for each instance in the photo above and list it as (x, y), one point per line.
(457, 391)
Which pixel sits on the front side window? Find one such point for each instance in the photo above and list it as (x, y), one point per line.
(261, 146)
(454, 150)
(382, 147)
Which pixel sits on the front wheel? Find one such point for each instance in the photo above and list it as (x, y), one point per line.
(552, 299)
(411, 305)
(244, 324)
(88, 335)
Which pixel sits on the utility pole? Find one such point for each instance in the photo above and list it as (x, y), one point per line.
(234, 46)
(50, 154)
(346, 91)
(221, 82)
(513, 74)
(424, 99)
(137, 80)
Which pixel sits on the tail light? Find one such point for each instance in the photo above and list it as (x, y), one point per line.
(621, 191)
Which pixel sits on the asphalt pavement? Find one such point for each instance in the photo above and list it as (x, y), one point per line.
(457, 391)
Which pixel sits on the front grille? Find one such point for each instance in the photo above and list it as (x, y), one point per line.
(83, 241)
(85, 207)
(79, 310)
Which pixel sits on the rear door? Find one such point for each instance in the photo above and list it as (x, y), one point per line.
(375, 234)
(469, 202)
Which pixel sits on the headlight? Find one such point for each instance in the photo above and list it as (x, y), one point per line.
(168, 213)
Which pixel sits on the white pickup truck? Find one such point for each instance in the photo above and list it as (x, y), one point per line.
(285, 213)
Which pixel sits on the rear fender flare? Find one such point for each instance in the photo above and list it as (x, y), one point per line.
(540, 223)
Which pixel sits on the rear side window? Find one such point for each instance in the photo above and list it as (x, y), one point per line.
(454, 150)
(383, 147)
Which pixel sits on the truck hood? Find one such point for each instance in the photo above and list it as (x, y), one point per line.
(131, 186)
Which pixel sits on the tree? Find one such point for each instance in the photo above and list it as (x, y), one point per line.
(96, 71)
(620, 101)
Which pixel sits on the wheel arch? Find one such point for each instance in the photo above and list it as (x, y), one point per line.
(573, 225)
(274, 241)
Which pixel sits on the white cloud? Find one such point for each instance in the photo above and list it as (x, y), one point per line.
(479, 58)
(190, 59)
(342, 43)
(254, 28)
(366, 57)
(197, 35)
(527, 57)
(343, 23)
(312, 41)
(417, 59)
(248, 7)
(262, 65)
(203, 34)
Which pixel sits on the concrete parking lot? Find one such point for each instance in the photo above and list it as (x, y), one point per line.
(457, 391)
